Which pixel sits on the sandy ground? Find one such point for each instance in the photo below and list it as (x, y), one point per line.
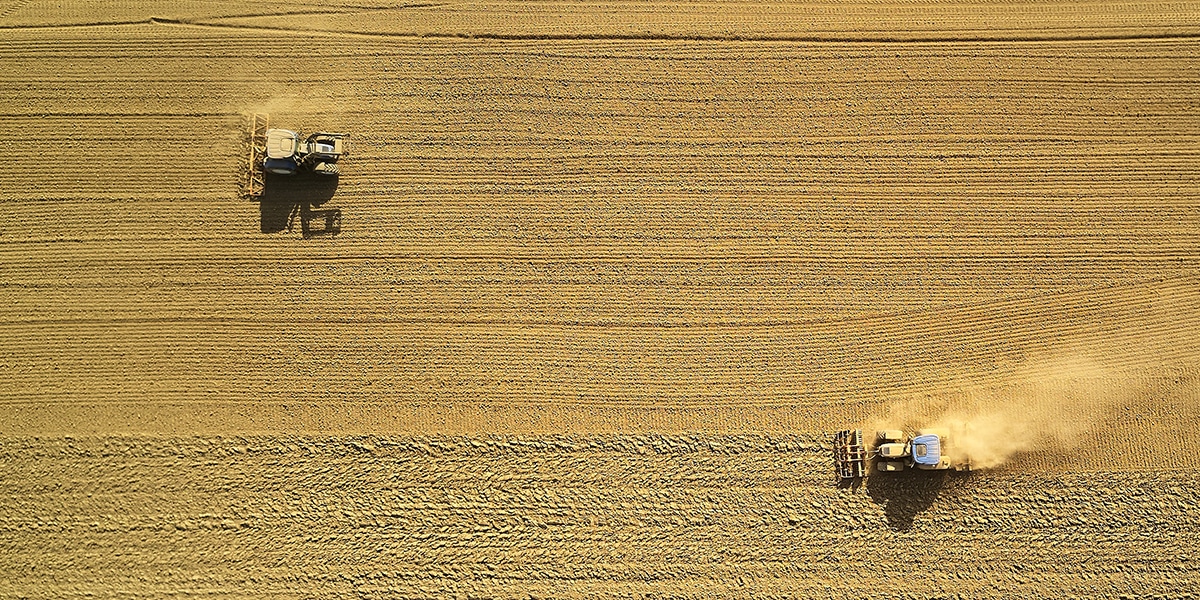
(607, 276)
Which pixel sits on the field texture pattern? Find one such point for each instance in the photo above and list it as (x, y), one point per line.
(512, 517)
(607, 276)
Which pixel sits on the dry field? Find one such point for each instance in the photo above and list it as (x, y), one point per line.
(607, 276)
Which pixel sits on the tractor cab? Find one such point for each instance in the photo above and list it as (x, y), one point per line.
(927, 452)
(282, 147)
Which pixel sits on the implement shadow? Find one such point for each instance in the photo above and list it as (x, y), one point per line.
(907, 494)
(286, 198)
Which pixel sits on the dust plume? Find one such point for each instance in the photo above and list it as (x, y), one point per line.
(275, 104)
(1049, 405)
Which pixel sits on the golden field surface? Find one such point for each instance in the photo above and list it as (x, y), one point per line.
(607, 276)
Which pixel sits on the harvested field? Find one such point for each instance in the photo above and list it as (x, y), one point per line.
(607, 276)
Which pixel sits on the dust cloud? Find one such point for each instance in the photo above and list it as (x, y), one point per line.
(275, 104)
(1052, 404)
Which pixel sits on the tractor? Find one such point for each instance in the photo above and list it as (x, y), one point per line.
(318, 153)
(283, 152)
(893, 450)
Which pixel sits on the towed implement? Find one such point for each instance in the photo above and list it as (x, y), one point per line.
(892, 451)
(849, 454)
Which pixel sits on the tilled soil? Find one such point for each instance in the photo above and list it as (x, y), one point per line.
(748, 516)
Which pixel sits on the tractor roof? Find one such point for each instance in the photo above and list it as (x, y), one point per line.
(281, 143)
(927, 449)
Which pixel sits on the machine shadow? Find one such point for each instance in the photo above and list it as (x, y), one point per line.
(908, 494)
(288, 198)
(850, 484)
